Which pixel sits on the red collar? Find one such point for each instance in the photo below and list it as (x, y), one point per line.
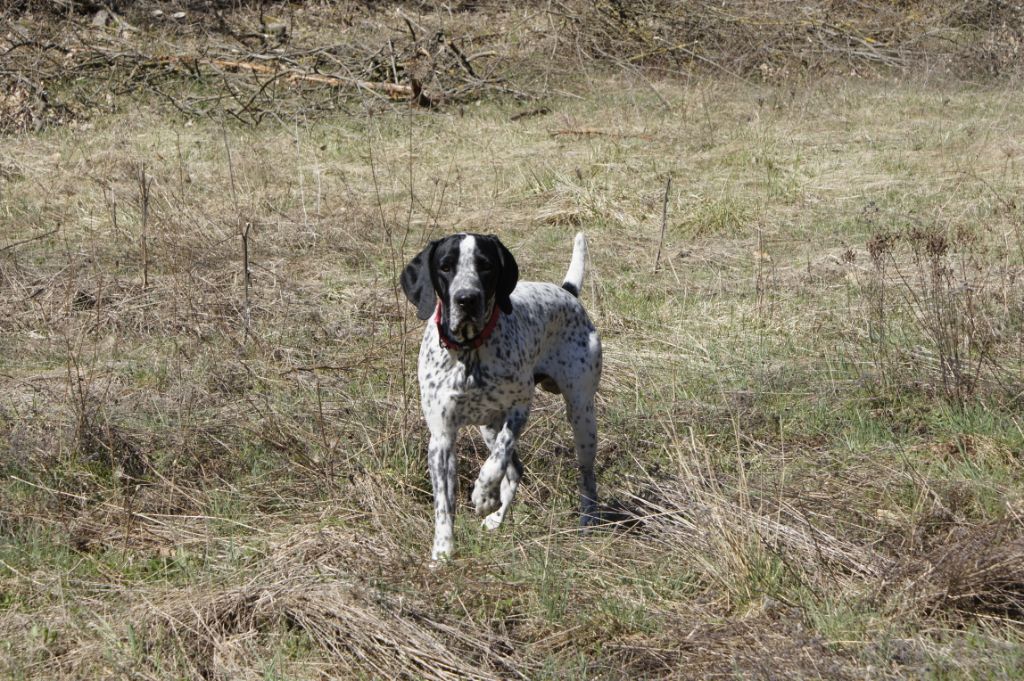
(473, 343)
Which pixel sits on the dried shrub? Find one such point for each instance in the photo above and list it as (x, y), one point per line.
(934, 302)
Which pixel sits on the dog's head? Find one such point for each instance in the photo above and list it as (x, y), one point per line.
(470, 273)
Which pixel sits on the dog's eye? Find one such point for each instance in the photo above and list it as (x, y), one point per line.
(445, 267)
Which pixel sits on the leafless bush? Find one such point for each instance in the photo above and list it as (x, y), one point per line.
(943, 302)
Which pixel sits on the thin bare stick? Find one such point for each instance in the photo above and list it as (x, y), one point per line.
(231, 169)
(245, 275)
(244, 233)
(144, 185)
(664, 220)
(113, 214)
(394, 90)
(12, 246)
(181, 162)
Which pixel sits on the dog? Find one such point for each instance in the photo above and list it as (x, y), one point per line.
(490, 341)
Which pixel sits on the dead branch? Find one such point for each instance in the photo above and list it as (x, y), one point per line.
(597, 132)
(297, 76)
(540, 111)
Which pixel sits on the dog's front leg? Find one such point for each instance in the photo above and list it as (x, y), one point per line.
(490, 498)
(441, 460)
(513, 473)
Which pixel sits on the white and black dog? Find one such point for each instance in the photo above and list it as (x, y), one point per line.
(490, 341)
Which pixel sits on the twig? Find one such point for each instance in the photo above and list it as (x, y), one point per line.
(322, 367)
(396, 91)
(462, 58)
(408, 23)
(394, 64)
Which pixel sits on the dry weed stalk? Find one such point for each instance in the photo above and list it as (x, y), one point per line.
(949, 285)
(145, 184)
(664, 221)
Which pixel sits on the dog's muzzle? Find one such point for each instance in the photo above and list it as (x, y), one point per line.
(466, 314)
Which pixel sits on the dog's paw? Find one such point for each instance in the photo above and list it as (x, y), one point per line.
(442, 550)
(493, 521)
(588, 521)
(438, 562)
(487, 488)
(485, 499)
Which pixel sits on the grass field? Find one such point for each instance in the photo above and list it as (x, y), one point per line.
(811, 447)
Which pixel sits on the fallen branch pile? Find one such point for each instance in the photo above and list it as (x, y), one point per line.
(240, 64)
(217, 58)
(775, 41)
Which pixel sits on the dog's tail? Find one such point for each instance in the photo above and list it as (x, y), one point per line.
(573, 282)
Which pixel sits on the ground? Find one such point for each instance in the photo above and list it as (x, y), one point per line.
(810, 453)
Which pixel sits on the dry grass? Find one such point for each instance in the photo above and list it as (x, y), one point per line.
(810, 449)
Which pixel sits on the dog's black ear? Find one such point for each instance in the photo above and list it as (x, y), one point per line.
(417, 283)
(508, 277)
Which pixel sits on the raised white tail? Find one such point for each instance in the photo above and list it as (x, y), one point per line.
(573, 282)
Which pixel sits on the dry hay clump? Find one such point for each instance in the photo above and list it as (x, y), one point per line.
(779, 40)
(309, 595)
(310, 589)
(724, 534)
(975, 570)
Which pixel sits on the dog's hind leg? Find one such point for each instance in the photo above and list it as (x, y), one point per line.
(584, 430)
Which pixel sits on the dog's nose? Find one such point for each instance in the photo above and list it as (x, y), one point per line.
(465, 300)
